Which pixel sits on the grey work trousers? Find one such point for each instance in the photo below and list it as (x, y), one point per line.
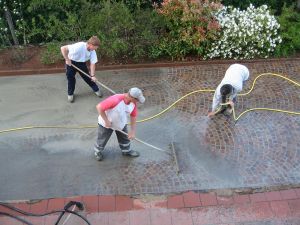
(104, 135)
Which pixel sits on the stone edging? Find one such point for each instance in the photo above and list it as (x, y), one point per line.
(190, 199)
(138, 66)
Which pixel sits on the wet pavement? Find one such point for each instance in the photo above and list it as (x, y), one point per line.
(261, 150)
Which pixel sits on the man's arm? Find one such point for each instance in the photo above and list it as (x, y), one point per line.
(215, 104)
(131, 134)
(103, 115)
(93, 69)
(65, 51)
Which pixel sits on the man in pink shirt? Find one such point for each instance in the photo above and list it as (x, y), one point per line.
(113, 113)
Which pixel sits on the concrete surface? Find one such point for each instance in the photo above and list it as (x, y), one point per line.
(261, 149)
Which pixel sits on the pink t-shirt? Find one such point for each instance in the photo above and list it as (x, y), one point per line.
(116, 109)
(114, 100)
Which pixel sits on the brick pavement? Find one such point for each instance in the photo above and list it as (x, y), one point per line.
(189, 208)
(260, 151)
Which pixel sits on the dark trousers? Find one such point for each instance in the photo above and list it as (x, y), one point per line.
(71, 72)
(104, 135)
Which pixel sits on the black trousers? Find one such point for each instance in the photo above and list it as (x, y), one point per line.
(71, 72)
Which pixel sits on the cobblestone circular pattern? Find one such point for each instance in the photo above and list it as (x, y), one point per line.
(261, 149)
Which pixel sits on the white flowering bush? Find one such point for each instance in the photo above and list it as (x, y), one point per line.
(245, 34)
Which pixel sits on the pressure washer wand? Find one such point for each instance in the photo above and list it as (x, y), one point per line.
(98, 82)
(143, 142)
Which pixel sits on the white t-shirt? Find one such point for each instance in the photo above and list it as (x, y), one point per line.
(235, 75)
(78, 52)
(116, 111)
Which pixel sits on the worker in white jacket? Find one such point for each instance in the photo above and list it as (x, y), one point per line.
(228, 89)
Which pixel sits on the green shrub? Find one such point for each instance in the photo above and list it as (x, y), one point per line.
(113, 24)
(134, 5)
(190, 26)
(51, 54)
(145, 35)
(56, 20)
(290, 32)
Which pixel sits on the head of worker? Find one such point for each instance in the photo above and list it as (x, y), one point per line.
(93, 43)
(135, 95)
(226, 90)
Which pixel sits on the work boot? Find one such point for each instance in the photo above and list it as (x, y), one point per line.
(71, 98)
(132, 154)
(99, 93)
(99, 156)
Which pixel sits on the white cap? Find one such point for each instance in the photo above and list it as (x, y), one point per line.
(137, 93)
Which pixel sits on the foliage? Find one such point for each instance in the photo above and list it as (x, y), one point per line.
(275, 5)
(112, 24)
(245, 34)
(56, 20)
(290, 30)
(190, 26)
(12, 31)
(51, 54)
(134, 30)
(134, 5)
(145, 35)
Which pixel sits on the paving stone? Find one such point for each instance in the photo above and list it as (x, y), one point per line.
(91, 203)
(160, 217)
(175, 201)
(124, 203)
(241, 199)
(280, 209)
(273, 195)
(117, 218)
(295, 207)
(191, 199)
(208, 199)
(140, 217)
(107, 203)
(55, 204)
(288, 194)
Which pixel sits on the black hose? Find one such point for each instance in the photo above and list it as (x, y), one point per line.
(15, 217)
(62, 212)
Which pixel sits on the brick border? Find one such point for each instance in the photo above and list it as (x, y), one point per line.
(283, 202)
(139, 66)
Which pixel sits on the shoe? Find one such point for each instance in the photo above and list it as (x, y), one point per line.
(99, 93)
(99, 156)
(131, 154)
(71, 98)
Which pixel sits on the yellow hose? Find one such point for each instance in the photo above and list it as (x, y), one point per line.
(35, 127)
(236, 118)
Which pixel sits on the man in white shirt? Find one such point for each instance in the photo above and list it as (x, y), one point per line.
(227, 90)
(78, 54)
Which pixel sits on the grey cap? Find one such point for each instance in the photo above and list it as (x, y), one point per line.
(137, 93)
